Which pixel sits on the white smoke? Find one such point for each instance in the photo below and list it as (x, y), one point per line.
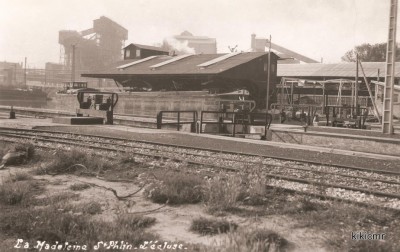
(178, 47)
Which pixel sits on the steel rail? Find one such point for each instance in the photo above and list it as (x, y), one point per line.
(117, 150)
(211, 150)
(226, 159)
(333, 198)
(313, 194)
(287, 178)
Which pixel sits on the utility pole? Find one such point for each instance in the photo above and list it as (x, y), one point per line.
(73, 64)
(14, 82)
(268, 73)
(25, 73)
(376, 112)
(387, 120)
(356, 88)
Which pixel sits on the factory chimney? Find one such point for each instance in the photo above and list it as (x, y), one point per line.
(253, 42)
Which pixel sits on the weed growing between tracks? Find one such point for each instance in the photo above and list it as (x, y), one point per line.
(222, 193)
(25, 153)
(75, 161)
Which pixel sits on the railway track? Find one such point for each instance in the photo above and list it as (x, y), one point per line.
(367, 186)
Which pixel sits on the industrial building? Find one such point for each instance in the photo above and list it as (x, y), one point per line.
(8, 74)
(216, 73)
(374, 73)
(286, 56)
(93, 48)
(137, 51)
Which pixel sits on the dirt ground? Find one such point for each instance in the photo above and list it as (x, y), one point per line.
(172, 222)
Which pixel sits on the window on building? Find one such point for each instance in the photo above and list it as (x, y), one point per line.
(266, 68)
(137, 52)
(127, 53)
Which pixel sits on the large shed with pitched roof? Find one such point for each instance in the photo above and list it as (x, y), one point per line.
(194, 72)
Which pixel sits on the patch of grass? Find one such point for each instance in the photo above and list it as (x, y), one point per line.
(371, 246)
(20, 176)
(75, 161)
(303, 205)
(58, 220)
(254, 189)
(259, 240)
(12, 193)
(222, 193)
(179, 188)
(51, 225)
(4, 147)
(266, 240)
(86, 208)
(18, 188)
(207, 226)
(91, 208)
(341, 219)
(19, 153)
(27, 147)
(79, 187)
(56, 199)
(134, 221)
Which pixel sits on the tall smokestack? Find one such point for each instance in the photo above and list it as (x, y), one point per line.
(253, 42)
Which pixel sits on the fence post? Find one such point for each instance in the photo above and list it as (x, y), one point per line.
(179, 120)
(193, 125)
(159, 120)
(109, 117)
(220, 125)
(234, 124)
(201, 122)
(327, 115)
(12, 113)
(265, 126)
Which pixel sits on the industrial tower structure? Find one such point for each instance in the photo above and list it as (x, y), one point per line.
(387, 118)
(94, 48)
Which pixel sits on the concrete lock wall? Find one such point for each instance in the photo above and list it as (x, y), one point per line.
(148, 103)
(337, 141)
(63, 102)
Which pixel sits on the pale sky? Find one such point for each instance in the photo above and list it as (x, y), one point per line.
(314, 28)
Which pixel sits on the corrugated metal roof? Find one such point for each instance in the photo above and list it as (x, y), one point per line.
(135, 62)
(188, 65)
(340, 70)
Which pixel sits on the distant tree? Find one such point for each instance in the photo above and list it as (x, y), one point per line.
(368, 53)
